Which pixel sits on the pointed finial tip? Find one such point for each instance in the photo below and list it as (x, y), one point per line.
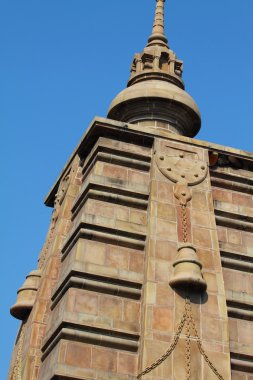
(158, 37)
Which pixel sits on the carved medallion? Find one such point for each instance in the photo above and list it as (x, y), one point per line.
(181, 168)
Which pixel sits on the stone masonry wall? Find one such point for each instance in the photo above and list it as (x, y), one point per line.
(233, 201)
(104, 308)
(94, 326)
(163, 307)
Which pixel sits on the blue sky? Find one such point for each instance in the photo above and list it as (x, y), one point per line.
(62, 63)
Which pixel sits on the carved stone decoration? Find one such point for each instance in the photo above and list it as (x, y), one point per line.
(26, 296)
(59, 197)
(182, 193)
(185, 171)
(181, 168)
(16, 373)
(187, 269)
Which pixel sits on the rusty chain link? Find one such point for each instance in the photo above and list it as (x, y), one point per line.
(187, 319)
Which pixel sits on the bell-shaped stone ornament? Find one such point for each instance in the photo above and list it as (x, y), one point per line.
(187, 269)
(26, 296)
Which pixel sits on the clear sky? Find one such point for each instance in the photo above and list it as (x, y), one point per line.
(62, 62)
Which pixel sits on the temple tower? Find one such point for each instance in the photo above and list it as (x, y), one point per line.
(146, 271)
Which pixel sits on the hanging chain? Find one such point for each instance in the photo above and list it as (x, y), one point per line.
(16, 374)
(184, 222)
(187, 319)
(188, 344)
(201, 349)
(170, 350)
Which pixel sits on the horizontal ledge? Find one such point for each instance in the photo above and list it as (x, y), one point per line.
(107, 129)
(106, 235)
(244, 215)
(240, 309)
(235, 312)
(102, 147)
(234, 186)
(227, 221)
(236, 261)
(97, 284)
(235, 181)
(236, 250)
(241, 362)
(116, 157)
(60, 374)
(107, 193)
(91, 335)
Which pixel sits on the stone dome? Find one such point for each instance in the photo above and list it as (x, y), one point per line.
(160, 101)
(155, 95)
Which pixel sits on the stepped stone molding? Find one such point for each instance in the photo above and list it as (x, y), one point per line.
(105, 152)
(243, 177)
(97, 283)
(62, 376)
(117, 158)
(140, 191)
(112, 129)
(233, 216)
(109, 193)
(92, 269)
(239, 297)
(103, 234)
(240, 310)
(91, 335)
(226, 219)
(241, 362)
(238, 249)
(237, 211)
(231, 182)
(236, 261)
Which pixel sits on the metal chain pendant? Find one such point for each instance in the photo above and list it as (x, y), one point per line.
(187, 319)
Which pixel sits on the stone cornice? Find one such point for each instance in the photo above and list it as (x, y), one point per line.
(107, 285)
(109, 128)
(96, 232)
(91, 335)
(241, 362)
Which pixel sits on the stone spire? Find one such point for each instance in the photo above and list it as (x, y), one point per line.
(155, 95)
(158, 37)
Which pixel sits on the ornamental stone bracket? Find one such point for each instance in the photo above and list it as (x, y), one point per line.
(184, 171)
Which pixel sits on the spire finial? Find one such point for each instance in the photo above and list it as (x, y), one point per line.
(158, 37)
(155, 93)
